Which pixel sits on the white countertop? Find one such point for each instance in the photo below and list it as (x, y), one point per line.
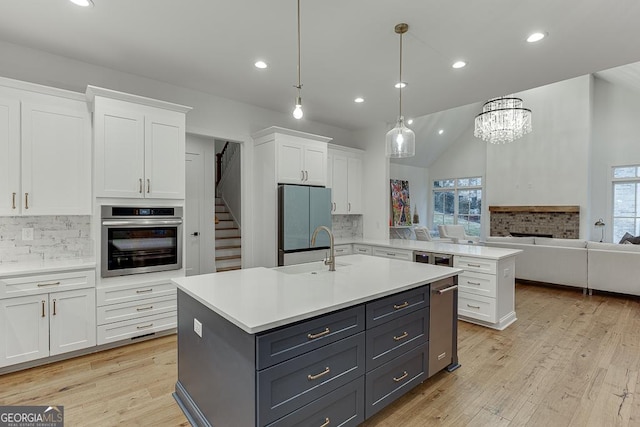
(48, 266)
(259, 299)
(477, 251)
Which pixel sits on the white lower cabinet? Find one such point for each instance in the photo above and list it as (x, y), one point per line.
(343, 250)
(393, 253)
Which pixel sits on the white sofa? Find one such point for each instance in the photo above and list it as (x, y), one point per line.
(614, 267)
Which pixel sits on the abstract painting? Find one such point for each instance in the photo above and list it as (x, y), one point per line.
(400, 207)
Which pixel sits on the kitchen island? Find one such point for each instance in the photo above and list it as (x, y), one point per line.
(293, 344)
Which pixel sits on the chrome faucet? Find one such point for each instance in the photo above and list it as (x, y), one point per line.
(331, 261)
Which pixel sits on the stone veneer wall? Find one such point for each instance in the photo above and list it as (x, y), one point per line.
(346, 226)
(559, 224)
(54, 238)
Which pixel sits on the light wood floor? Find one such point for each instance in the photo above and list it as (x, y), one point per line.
(569, 360)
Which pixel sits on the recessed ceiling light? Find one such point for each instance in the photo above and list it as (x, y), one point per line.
(459, 64)
(535, 37)
(260, 64)
(359, 100)
(401, 85)
(410, 121)
(441, 131)
(83, 3)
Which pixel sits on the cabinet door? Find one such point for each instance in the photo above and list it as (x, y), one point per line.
(354, 184)
(119, 145)
(164, 155)
(72, 320)
(290, 163)
(315, 164)
(339, 190)
(9, 156)
(56, 160)
(24, 329)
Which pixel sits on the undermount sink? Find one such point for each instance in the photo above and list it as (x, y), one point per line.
(314, 268)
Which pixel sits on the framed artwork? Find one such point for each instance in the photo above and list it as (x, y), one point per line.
(400, 205)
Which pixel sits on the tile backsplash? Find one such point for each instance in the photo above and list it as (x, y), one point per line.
(346, 226)
(54, 238)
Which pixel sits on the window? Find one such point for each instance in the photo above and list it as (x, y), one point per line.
(626, 201)
(458, 201)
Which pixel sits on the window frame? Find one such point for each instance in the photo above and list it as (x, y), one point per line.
(635, 180)
(456, 188)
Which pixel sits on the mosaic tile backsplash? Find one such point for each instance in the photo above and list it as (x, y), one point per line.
(346, 226)
(54, 238)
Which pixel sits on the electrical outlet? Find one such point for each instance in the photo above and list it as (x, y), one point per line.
(27, 234)
(197, 327)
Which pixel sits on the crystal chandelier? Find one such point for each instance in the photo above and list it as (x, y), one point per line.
(502, 120)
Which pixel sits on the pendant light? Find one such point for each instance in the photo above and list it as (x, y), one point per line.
(400, 141)
(297, 111)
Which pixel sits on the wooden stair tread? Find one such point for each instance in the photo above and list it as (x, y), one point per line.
(228, 247)
(228, 268)
(227, 237)
(222, 258)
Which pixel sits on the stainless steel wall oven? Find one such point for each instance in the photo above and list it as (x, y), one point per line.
(140, 240)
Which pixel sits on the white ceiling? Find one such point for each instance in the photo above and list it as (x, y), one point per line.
(349, 47)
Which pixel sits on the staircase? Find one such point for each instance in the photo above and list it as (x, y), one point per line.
(227, 239)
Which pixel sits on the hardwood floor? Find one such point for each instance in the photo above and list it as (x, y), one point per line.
(569, 360)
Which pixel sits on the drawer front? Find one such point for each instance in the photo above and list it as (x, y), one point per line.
(393, 338)
(125, 293)
(290, 385)
(479, 265)
(343, 407)
(342, 250)
(477, 283)
(477, 307)
(136, 328)
(362, 249)
(393, 253)
(283, 344)
(44, 283)
(391, 380)
(135, 309)
(395, 306)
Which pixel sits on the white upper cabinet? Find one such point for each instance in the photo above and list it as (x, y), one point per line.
(301, 162)
(345, 181)
(139, 146)
(45, 153)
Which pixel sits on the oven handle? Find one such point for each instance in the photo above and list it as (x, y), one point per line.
(148, 222)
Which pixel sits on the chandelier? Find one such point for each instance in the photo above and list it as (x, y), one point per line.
(502, 120)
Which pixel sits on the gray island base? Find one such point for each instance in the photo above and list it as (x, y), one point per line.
(297, 346)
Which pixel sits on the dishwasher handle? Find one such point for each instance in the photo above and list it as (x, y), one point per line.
(448, 289)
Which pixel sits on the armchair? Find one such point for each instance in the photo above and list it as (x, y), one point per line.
(456, 233)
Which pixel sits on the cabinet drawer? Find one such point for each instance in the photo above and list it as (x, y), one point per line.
(126, 293)
(477, 283)
(53, 282)
(135, 309)
(136, 327)
(278, 346)
(393, 253)
(477, 307)
(343, 407)
(290, 385)
(362, 249)
(391, 380)
(395, 306)
(479, 265)
(343, 250)
(393, 338)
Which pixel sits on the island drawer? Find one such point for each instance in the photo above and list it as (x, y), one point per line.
(362, 249)
(391, 380)
(477, 307)
(391, 339)
(393, 253)
(140, 291)
(283, 344)
(480, 265)
(290, 385)
(477, 283)
(395, 306)
(52, 282)
(342, 407)
(135, 309)
(342, 250)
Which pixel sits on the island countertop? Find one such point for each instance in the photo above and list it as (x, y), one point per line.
(259, 299)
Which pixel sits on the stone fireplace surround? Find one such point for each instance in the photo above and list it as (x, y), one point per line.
(556, 221)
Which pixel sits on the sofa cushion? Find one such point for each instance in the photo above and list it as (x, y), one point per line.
(565, 243)
(510, 239)
(613, 247)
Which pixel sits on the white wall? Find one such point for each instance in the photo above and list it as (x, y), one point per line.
(418, 187)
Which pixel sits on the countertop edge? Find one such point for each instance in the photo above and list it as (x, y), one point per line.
(22, 269)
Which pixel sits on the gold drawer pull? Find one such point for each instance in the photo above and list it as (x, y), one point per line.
(54, 307)
(140, 185)
(144, 291)
(145, 326)
(41, 285)
(473, 306)
(26, 200)
(403, 305)
(319, 334)
(473, 283)
(401, 337)
(13, 201)
(474, 265)
(321, 374)
(43, 308)
(400, 378)
(326, 422)
(144, 308)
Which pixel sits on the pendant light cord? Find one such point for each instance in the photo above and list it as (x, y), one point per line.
(299, 85)
(400, 82)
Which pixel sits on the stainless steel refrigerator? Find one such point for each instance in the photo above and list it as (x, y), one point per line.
(300, 210)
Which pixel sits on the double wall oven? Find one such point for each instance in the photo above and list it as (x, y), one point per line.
(140, 240)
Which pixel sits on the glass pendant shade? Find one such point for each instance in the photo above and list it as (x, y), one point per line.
(502, 120)
(400, 141)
